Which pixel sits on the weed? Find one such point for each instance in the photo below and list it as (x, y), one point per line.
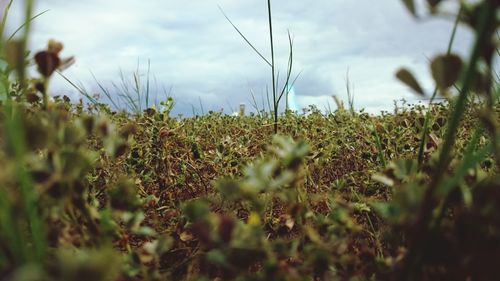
(277, 94)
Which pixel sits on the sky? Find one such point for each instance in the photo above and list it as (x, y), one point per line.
(198, 58)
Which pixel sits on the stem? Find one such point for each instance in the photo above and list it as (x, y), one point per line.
(4, 21)
(24, 42)
(45, 94)
(272, 67)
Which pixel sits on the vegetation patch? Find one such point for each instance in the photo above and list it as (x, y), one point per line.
(90, 193)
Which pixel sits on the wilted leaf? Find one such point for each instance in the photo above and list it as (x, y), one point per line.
(446, 70)
(290, 223)
(383, 179)
(406, 77)
(434, 141)
(186, 236)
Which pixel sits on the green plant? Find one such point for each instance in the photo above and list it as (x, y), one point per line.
(433, 192)
(133, 95)
(276, 93)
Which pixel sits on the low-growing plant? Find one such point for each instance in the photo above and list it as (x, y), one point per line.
(93, 194)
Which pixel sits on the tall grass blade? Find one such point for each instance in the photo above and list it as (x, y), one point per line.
(380, 149)
(105, 91)
(4, 20)
(147, 83)
(244, 37)
(80, 89)
(25, 24)
(271, 41)
(286, 88)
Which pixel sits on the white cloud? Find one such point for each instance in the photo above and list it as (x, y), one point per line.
(195, 50)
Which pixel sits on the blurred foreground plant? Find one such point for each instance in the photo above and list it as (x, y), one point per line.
(444, 207)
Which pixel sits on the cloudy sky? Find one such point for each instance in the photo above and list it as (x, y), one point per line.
(198, 58)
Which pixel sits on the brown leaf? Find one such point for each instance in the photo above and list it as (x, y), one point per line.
(32, 98)
(226, 227)
(47, 62)
(186, 236)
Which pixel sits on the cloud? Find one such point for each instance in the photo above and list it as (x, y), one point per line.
(194, 50)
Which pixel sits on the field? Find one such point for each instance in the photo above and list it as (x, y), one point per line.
(89, 192)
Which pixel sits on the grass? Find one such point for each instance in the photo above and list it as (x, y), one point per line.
(277, 94)
(89, 193)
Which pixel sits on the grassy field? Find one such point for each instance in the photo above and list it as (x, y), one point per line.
(90, 193)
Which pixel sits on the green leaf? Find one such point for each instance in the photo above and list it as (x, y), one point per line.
(410, 5)
(196, 210)
(446, 70)
(407, 78)
(387, 210)
(216, 257)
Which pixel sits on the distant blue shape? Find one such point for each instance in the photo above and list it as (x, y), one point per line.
(292, 100)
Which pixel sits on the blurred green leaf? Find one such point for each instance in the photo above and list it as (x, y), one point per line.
(410, 5)
(123, 196)
(83, 265)
(14, 54)
(217, 257)
(403, 169)
(407, 78)
(196, 210)
(387, 210)
(446, 70)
